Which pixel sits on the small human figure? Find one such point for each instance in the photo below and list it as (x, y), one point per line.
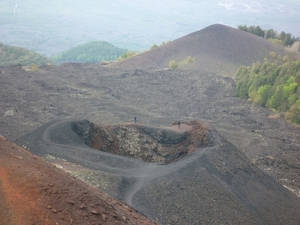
(134, 119)
(178, 124)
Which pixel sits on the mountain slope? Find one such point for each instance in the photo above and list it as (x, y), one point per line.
(212, 184)
(34, 192)
(217, 48)
(158, 98)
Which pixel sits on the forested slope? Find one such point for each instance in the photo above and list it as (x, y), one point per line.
(282, 38)
(10, 55)
(91, 52)
(272, 84)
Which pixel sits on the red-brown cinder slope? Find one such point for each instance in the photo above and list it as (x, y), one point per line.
(33, 191)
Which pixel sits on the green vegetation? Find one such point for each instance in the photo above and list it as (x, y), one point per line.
(282, 38)
(126, 55)
(190, 59)
(153, 46)
(173, 64)
(91, 52)
(10, 55)
(275, 85)
(34, 68)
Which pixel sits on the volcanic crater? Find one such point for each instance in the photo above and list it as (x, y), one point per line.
(162, 145)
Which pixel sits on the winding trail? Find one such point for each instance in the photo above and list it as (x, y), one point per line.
(58, 139)
(215, 181)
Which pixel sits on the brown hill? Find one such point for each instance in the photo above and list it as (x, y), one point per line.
(34, 192)
(217, 48)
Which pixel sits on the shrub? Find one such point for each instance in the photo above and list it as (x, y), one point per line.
(34, 68)
(189, 59)
(273, 54)
(293, 115)
(153, 46)
(127, 55)
(172, 64)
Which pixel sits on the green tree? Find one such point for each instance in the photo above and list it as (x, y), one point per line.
(287, 40)
(263, 94)
(277, 99)
(92, 52)
(283, 38)
(273, 85)
(270, 34)
(293, 115)
(153, 46)
(258, 31)
(243, 28)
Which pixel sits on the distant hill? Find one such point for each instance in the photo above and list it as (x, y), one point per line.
(95, 51)
(217, 48)
(10, 55)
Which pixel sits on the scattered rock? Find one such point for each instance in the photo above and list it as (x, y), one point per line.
(94, 212)
(103, 216)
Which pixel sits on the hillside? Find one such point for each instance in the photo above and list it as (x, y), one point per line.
(95, 51)
(230, 162)
(217, 48)
(10, 55)
(207, 185)
(33, 191)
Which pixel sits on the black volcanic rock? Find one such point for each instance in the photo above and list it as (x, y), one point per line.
(212, 185)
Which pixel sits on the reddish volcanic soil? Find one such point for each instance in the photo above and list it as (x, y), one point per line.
(35, 192)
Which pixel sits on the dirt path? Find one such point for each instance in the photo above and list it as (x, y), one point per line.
(106, 96)
(150, 172)
(219, 174)
(183, 128)
(46, 141)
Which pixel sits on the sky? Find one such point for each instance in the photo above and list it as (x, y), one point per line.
(56, 25)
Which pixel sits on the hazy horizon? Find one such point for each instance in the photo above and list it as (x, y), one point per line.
(52, 27)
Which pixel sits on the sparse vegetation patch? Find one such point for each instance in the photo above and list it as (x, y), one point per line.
(173, 64)
(127, 54)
